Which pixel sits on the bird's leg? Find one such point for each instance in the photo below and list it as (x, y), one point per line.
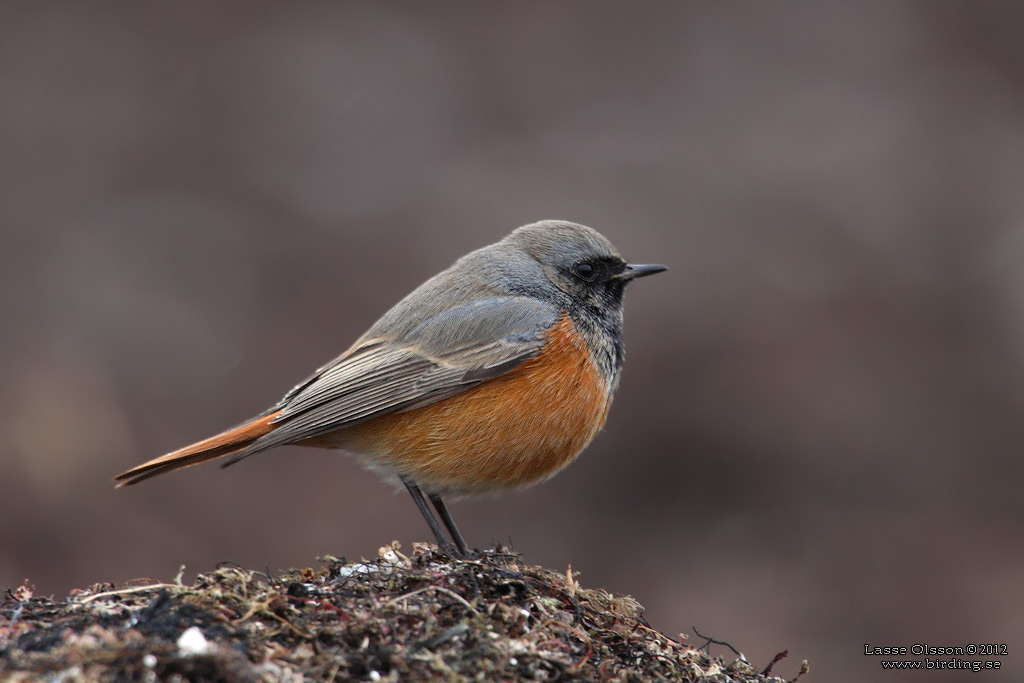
(417, 496)
(449, 523)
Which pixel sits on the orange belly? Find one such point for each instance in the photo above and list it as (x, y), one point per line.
(514, 430)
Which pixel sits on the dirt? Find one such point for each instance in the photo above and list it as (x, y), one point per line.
(426, 616)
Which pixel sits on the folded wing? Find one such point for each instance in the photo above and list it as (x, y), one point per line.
(444, 355)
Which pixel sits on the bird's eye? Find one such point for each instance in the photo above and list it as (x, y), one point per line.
(585, 271)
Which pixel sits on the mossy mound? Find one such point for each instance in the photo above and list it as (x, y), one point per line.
(397, 618)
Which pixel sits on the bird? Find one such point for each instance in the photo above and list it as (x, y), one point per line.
(490, 376)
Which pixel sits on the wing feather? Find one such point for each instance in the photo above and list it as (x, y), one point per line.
(446, 354)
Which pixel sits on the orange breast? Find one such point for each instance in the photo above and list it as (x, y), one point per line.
(510, 431)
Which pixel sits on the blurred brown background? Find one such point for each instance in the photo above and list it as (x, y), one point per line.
(817, 440)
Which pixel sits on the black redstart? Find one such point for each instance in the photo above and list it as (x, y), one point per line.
(492, 375)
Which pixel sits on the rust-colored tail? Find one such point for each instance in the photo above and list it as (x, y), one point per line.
(224, 443)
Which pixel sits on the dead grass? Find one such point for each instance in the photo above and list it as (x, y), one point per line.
(396, 618)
